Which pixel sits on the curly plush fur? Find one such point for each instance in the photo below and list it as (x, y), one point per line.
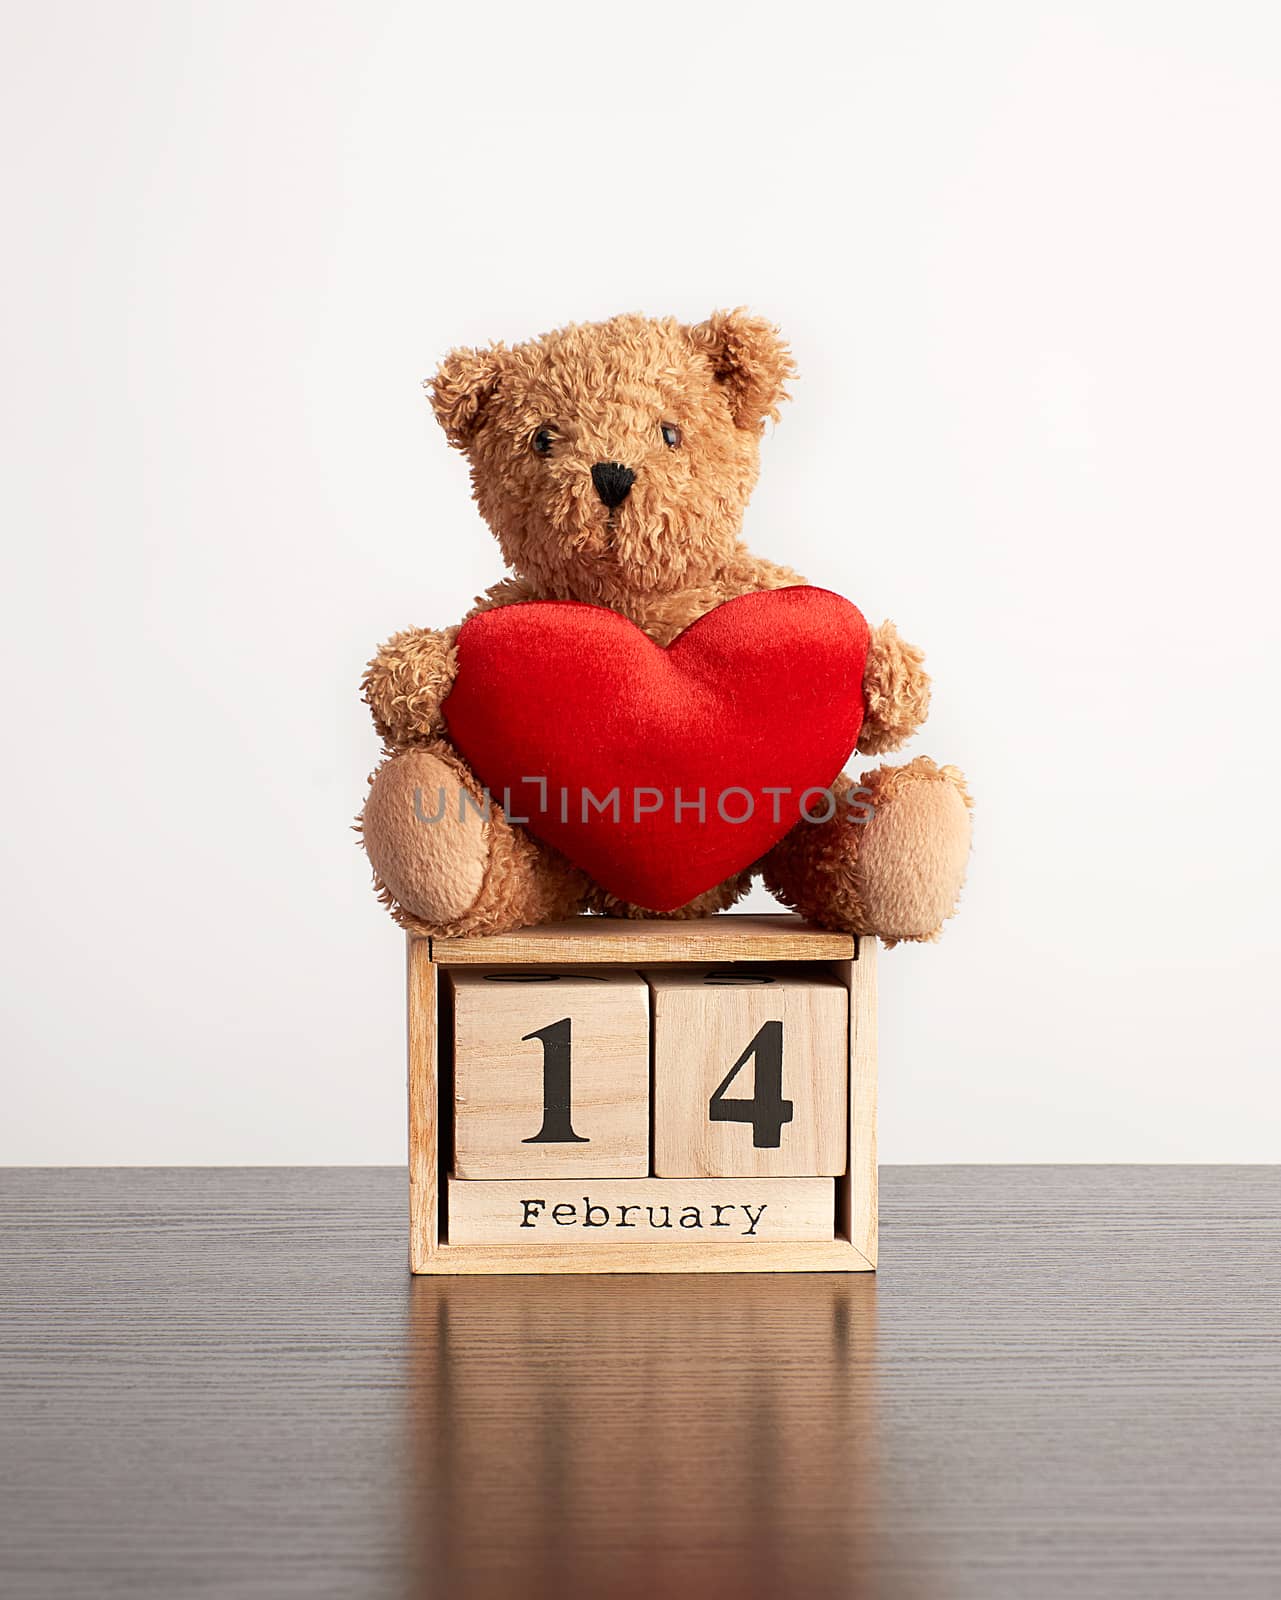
(532, 421)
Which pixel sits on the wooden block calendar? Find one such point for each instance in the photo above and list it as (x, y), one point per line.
(643, 1096)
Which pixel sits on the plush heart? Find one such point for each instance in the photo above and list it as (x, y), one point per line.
(660, 772)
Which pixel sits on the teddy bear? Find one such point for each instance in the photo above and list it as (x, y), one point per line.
(613, 462)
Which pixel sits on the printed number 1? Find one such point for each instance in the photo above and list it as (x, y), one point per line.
(556, 1128)
(767, 1111)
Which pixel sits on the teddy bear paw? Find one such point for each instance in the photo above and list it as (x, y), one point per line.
(913, 850)
(427, 842)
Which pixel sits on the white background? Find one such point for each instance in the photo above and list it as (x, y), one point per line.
(1028, 256)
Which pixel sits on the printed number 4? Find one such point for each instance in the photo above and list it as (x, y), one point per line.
(767, 1111)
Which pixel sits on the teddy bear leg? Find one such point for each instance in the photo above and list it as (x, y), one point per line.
(891, 864)
(446, 867)
(703, 905)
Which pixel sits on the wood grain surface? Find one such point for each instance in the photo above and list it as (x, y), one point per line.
(857, 1197)
(1062, 1382)
(422, 983)
(730, 936)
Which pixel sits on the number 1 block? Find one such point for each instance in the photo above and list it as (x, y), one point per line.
(750, 1073)
(551, 1073)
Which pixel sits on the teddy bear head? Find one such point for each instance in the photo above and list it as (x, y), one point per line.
(616, 458)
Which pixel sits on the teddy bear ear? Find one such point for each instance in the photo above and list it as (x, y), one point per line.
(750, 358)
(462, 388)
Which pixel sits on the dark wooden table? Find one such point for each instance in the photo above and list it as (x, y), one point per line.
(1064, 1381)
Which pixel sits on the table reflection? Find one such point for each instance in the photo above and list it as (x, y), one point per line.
(643, 1435)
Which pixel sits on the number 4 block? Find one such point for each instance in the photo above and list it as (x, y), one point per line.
(551, 1073)
(750, 1073)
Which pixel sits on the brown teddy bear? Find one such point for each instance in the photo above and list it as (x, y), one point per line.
(613, 461)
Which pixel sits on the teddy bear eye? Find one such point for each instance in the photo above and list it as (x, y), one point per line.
(543, 442)
(671, 435)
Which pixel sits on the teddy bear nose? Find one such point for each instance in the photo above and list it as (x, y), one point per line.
(613, 482)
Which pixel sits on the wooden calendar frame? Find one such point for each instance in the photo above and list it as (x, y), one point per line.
(729, 937)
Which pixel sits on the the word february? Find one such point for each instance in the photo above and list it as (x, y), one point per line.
(742, 1219)
(546, 1214)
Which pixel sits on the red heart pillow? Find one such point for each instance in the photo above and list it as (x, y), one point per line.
(660, 772)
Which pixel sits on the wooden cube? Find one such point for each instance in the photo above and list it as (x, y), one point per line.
(750, 1070)
(551, 1073)
(592, 1221)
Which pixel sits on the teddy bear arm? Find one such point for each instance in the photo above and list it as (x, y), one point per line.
(751, 574)
(896, 691)
(407, 682)
(506, 592)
